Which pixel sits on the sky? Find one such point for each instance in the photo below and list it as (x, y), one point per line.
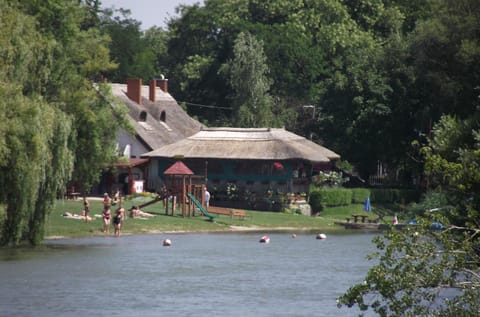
(149, 12)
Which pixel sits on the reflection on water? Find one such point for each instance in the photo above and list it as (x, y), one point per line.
(199, 275)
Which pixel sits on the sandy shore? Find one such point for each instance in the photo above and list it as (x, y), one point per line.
(226, 230)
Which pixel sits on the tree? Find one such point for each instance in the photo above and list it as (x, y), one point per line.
(425, 273)
(317, 54)
(248, 77)
(129, 48)
(58, 123)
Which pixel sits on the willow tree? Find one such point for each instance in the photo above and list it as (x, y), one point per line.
(37, 166)
(55, 120)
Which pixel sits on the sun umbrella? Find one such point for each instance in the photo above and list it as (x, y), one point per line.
(366, 206)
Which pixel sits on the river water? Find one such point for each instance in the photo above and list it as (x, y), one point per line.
(199, 275)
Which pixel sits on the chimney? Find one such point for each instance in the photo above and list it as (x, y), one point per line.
(134, 90)
(152, 90)
(163, 84)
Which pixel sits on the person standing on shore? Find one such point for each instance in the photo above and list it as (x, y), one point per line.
(106, 220)
(117, 221)
(207, 197)
(86, 208)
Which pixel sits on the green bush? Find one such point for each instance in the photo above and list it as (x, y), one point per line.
(330, 197)
(359, 195)
(315, 201)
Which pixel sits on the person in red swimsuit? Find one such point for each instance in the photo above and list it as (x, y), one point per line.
(106, 220)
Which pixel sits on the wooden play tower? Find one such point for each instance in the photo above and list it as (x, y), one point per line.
(180, 180)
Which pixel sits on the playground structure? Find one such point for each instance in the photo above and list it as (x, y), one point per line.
(184, 188)
(202, 208)
(188, 190)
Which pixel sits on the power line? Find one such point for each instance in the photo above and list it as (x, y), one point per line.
(203, 106)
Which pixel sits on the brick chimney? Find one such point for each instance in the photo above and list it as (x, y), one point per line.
(163, 84)
(134, 90)
(152, 90)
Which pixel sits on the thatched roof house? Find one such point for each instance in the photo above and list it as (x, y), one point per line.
(157, 118)
(251, 160)
(246, 144)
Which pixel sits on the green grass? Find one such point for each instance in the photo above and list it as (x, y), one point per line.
(58, 226)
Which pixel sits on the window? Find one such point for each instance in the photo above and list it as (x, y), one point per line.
(143, 116)
(163, 116)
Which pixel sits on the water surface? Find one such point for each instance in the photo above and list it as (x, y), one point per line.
(199, 275)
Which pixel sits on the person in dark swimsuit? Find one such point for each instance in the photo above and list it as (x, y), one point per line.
(117, 221)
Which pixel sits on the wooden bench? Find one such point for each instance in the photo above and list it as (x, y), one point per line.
(227, 212)
(219, 210)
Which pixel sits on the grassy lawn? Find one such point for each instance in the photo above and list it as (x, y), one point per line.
(59, 226)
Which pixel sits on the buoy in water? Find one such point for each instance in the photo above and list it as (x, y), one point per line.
(294, 235)
(321, 236)
(264, 239)
(167, 243)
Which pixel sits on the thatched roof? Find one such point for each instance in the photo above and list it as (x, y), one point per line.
(132, 162)
(246, 144)
(152, 130)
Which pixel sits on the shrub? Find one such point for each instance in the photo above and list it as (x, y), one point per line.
(315, 201)
(359, 195)
(330, 197)
(332, 179)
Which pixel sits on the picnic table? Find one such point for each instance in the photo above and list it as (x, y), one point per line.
(357, 217)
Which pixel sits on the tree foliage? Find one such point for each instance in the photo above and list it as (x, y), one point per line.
(58, 127)
(248, 76)
(379, 72)
(420, 273)
(425, 273)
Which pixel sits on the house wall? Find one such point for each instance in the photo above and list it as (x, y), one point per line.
(136, 147)
(155, 181)
(257, 176)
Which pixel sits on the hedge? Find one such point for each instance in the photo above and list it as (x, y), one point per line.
(332, 197)
(359, 195)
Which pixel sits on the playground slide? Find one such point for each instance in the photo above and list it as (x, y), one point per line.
(202, 209)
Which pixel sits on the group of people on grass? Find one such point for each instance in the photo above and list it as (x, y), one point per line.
(117, 218)
(119, 215)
